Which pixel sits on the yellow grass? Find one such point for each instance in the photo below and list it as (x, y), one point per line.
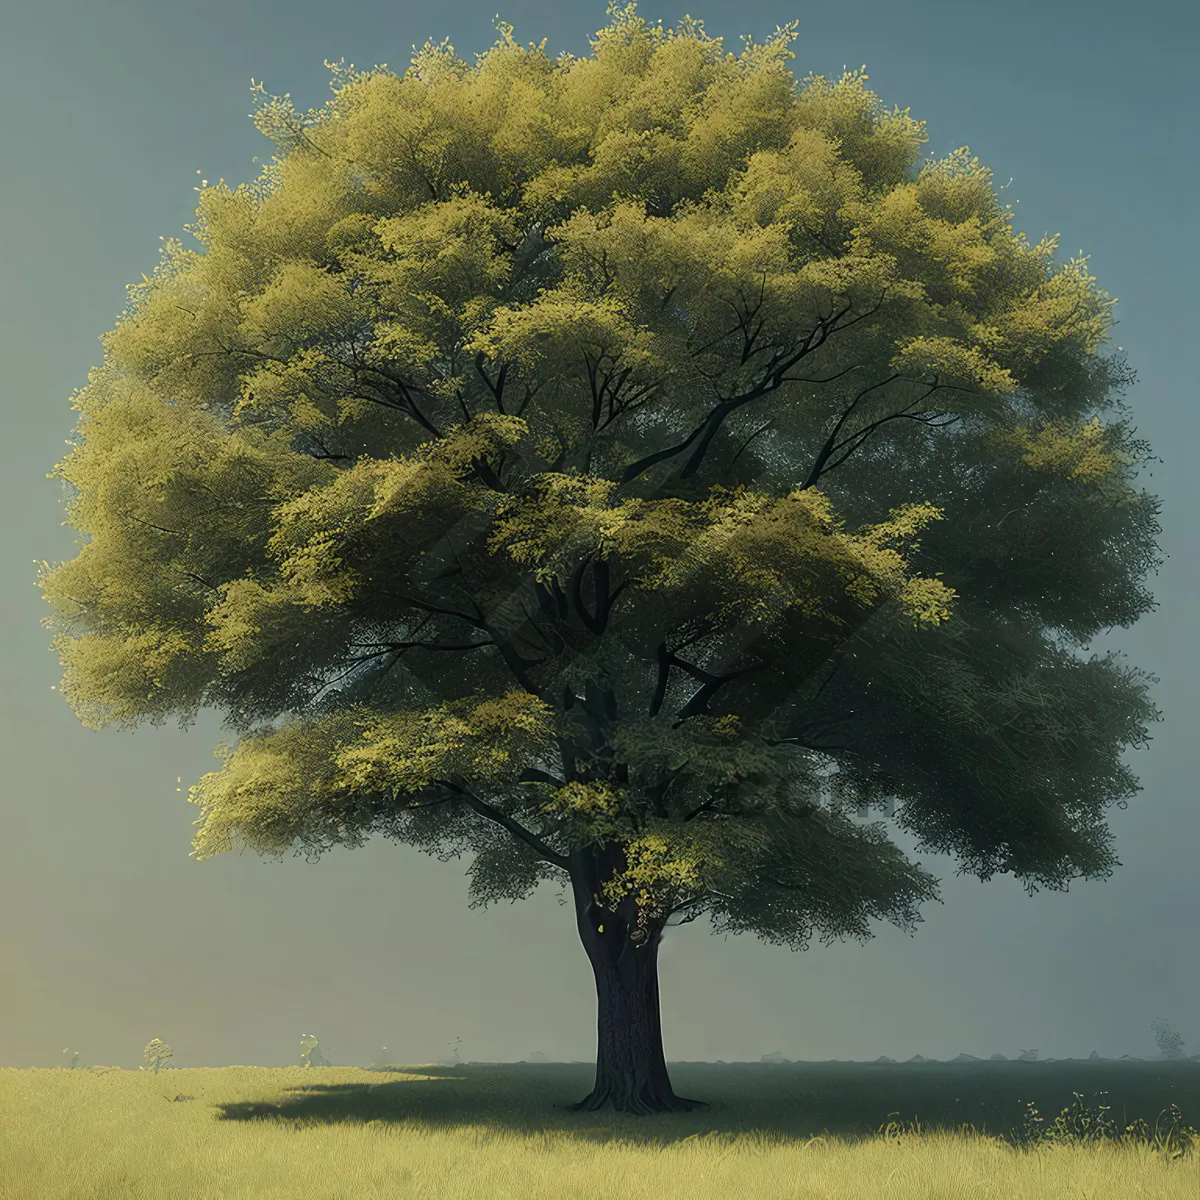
(262, 1133)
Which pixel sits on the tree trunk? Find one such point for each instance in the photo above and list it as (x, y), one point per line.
(631, 1071)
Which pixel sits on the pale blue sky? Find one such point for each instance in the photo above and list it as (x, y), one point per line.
(112, 935)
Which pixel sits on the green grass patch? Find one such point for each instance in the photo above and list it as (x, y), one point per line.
(487, 1132)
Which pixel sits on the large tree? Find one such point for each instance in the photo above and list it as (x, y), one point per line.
(621, 468)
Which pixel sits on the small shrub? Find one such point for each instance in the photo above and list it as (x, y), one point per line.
(1076, 1124)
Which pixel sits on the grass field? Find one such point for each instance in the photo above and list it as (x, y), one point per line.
(801, 1131)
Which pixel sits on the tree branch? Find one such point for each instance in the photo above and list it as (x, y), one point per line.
(537, 775)
(433, 608)
(760, 429)
(604, 598)
(664, 674)
(691, 903)
(407, 405)
(161, 529)
(851, 443)
(497, 389)
(773, 376)
(487, 476)
(856, 439)
(514, 827)
(658, 793)
(198, 578)
(699, 701)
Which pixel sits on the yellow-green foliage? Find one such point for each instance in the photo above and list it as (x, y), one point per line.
(443, 336)
(308, 777)
(781, 552)
(1078, 451)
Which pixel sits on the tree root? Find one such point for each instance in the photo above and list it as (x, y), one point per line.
(644, 1102)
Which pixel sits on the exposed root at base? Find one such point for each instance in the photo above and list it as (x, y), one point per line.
(642, 1103)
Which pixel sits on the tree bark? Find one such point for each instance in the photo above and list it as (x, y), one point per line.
(631, 1071)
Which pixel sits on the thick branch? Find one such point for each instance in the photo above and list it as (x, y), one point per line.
(517, 663)
(487, 476)
(612, 599)
(699, 702)
(497, 389)
(604, 599)
(658, 793)
(537, 775)
(514, 827)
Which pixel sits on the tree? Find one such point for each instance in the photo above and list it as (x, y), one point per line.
(1170, 1044)
(621, 468)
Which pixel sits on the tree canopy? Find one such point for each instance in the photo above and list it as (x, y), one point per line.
(623, 469)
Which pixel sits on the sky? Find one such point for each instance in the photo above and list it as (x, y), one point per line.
(110, 934)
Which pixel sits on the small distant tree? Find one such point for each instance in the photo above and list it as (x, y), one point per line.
(1169, 1043)
(624, 469)
(157, 1055)
(311, 1055)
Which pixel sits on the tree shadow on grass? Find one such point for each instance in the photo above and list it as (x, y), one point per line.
(514, 1098)
(786, 1102)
